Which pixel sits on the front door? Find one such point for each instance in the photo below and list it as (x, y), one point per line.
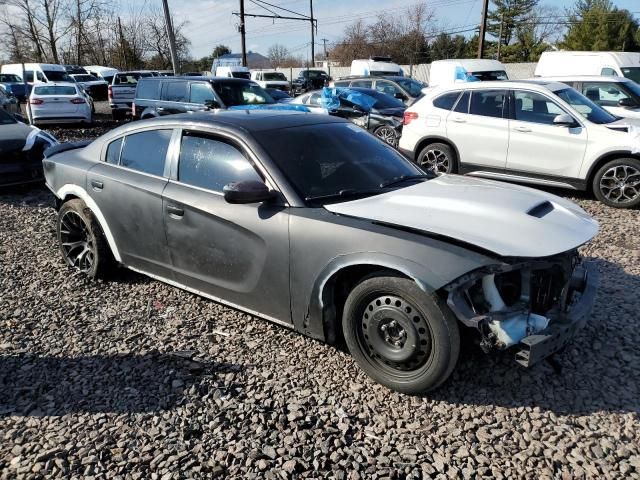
(127, 188)
(538, 146)
(236, 253)
(479, 128)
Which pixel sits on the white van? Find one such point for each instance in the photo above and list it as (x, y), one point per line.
(232, 72)
(35, 73)
(270, 79)
(445, 72)
(618, 64)
(103, 73)
(376, 67)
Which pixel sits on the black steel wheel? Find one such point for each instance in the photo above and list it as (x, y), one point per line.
(438, 158)
(81, 241)
(617, 183)
(387, 134)
(399, 335)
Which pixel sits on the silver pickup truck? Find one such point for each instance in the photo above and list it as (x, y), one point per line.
(123, 90)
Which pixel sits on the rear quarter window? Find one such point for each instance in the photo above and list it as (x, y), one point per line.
(446, 101)
(147, 89)
(146, 151)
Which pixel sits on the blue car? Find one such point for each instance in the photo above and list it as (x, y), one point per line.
(14, 85)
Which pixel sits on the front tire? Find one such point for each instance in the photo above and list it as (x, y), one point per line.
(81, 240)
(617, 183)
(402, 337)
(387, 134)
(438, 158)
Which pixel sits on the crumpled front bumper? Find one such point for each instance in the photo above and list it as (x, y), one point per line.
(562, 329)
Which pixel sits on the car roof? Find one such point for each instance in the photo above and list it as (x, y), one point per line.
(200, 77)
(258, 120)
(583, 78)
(499, 84)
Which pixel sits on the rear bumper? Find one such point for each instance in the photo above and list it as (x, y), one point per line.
(560, 332)
(63, 119)
(124, 107)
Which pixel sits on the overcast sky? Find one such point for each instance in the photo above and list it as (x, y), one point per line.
(212, 22)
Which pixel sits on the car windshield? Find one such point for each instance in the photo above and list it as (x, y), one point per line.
(585, 107)
(382, 99)
(57, 76)
(634, 88)
(412, 86)
(632, 73)
(490, 75)
(245, 75)
(10, 78)
(275, 76)
(241, 93)
(55, 90)
(344, 159)
(6, 119)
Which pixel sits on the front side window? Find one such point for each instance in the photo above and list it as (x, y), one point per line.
(605, 94)
(412, 86)
(387, 88)
(201, 93)
(632, 73)
(608, 72)
(146, 151)
(209, 163)
(446, 101)
(535, 108)
(113, 152)
(488, 103)
(175, 91)
(241, 93)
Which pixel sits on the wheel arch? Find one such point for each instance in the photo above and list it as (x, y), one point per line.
(68, 192)
(607, 157)
(434, 139)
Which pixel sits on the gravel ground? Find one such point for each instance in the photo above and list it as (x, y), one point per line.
(134, 379)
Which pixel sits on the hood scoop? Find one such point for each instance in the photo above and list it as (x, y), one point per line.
(541, 209)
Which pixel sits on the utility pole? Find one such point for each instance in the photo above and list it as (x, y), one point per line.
(483, 27)
(324, 42)
(79, 34)
(242, 35)
(500, 35)
(172, 37)
(313, 45)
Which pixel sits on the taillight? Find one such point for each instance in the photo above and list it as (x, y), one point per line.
(36, 101)
(110, 92)
(133, 110)
(77, 101)
(408, 117)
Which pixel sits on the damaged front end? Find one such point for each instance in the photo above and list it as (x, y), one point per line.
(535, 306)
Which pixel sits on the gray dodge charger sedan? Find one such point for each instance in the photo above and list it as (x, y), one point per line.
(315, 224)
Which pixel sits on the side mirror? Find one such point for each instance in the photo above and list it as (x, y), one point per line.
(400, 96)
(564, 120)
(627, 102)
(211, 104)
(248, 191)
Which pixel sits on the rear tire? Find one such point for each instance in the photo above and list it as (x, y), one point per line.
(438, 158)
(617, 183)
(387, 134)
(82, 243)
(402, 337)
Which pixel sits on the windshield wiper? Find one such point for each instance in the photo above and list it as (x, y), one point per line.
(405, 178)
(346, 193)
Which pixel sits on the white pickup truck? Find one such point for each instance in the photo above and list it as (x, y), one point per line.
(122, 91)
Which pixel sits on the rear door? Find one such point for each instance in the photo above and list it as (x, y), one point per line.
(538, 146)
(127, 186)
(174, 96)
(479, 128)
(124, 88)
(238, 253)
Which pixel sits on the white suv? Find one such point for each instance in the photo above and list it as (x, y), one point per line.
(545, 133)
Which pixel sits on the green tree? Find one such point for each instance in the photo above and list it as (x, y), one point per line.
(507, 16)
(598, 25)
(446, 46)
(219, 51)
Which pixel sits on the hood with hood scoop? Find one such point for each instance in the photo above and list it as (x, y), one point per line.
(506, 219)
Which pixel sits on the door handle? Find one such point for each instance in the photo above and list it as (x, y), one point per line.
(458, 120)
(97, 186)
(522, 129)
(175, 211)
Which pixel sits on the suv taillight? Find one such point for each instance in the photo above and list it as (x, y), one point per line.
(110, 92)
(408, 117)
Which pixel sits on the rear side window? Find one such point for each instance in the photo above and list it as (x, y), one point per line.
(463, 103)
(488, 103)
(113, 152)
(209, 163)
(362, 83)
(147, 89)
(146, 151)
(201, 92)
(55, 90)
(175, 91)
(446, 101)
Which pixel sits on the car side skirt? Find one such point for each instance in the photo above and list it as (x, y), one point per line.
(524, 177)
